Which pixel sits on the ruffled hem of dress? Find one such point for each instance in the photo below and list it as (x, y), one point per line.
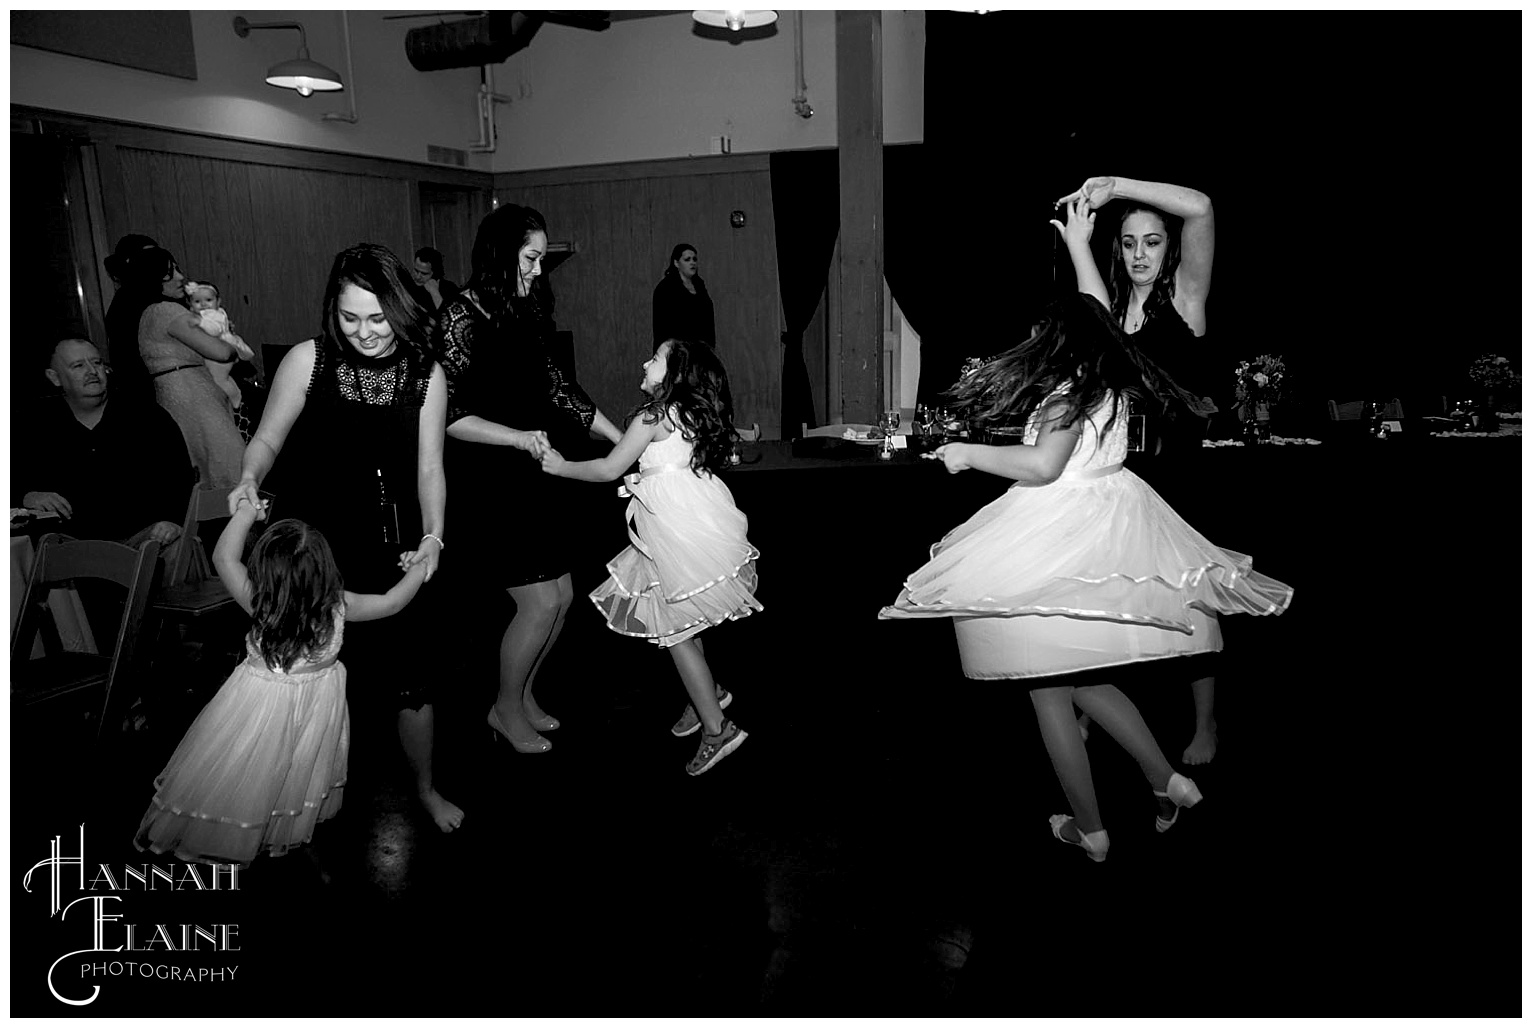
(664, 640)
(614, 582)
(169, 808)
(1201, 580)
(1002, 677)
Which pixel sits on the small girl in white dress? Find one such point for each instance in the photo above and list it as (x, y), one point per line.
(689, 565)
(265, 761)
(1080, 566)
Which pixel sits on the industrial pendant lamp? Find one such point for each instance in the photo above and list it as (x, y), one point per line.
(302, 74)
(735, 20)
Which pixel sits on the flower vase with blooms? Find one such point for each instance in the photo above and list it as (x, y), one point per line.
(1257, 386)
(1495, 383)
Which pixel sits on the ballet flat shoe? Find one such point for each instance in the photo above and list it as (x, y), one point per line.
(1094, 844)
(1181, 791)
(540, 746)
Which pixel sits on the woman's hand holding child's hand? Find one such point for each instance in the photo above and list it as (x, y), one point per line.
(553, 461)
(428, 554)
(246, 490)
(535, 443)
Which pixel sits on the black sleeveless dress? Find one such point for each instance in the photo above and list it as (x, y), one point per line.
(348, 468)
(518, 521)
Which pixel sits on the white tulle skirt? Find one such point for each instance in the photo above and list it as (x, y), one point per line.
(1080, 574)
(689, 565)
(263, 764)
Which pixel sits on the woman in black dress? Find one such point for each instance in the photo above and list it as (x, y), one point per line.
(682, 307)
(1161, 270)
(360, 415)
(507, 400)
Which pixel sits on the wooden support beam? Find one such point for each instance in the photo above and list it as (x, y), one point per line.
(856, 375)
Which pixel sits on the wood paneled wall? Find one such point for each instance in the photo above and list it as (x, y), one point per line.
(623, 221)
(263, 223)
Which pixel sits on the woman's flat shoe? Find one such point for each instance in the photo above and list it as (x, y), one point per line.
(1094, 843)
(541, 745)
(546, 723)
(1181, 791)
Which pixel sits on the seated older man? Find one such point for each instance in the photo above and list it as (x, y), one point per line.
(109, 469)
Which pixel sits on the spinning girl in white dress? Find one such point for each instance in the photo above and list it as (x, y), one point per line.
(1080, 565)
(689, 566)
(265, 761)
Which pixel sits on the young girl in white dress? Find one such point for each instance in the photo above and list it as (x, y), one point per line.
(689, 566)
(1079, 566)
(265, 761)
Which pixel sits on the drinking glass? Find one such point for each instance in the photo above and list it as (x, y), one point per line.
(888, 421)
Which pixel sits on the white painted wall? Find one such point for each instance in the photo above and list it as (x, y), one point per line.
(644, 89)
(401, 110)
(649, 88)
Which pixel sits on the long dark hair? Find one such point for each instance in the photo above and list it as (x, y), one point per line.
(141, 274)
(697, 386)
(295, 586)
(670, 267)
(502, 234)
(1120, 286)
(379, 271)
(1075, 345)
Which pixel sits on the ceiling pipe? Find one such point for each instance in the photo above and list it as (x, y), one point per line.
(487, 100)
(801, 98)
(349, 117)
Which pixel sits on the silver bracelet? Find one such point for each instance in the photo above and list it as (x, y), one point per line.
(438, 539)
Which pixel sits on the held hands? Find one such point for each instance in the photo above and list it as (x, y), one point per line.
(535, 443)
(52, 503)
(1096, 192)
(1081, 219)
(553, 461)
(427, 554)
(246, 490)
(954, 455)
(243, 506)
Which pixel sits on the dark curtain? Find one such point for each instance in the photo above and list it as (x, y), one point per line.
(805, 191)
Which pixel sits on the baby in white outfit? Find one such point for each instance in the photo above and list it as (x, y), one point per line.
(202, 298)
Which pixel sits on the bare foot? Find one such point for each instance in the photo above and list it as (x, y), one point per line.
(446, 815)
(1203, 745)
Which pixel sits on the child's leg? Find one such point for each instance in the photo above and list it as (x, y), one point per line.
(1205, 742)
(566, 597)
(1061, 735)
(1114, 712)
(417, 734)
(698, 679)
(539, 610)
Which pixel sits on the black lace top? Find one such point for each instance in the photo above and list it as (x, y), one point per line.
(354, 448)
(510, 376)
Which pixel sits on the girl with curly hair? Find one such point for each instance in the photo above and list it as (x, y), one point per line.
(265, 761)
(1079, 568)
(689, 565)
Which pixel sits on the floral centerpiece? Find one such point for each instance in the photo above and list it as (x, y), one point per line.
(1494, 383)
(1258, 385)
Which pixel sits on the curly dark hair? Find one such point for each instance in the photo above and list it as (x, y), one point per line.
(379, 271)
(697, 386)
(1076, 344)
(1120, 287)
(496, 249)
(295, 586)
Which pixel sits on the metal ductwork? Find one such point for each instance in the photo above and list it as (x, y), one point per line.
(471, 43)
(489, 38)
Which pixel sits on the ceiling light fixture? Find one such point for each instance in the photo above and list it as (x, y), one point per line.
(735, 20)
(302, 74)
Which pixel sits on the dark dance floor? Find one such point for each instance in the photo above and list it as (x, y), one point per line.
(880, 845)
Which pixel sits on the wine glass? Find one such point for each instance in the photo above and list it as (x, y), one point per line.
(888, 421)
